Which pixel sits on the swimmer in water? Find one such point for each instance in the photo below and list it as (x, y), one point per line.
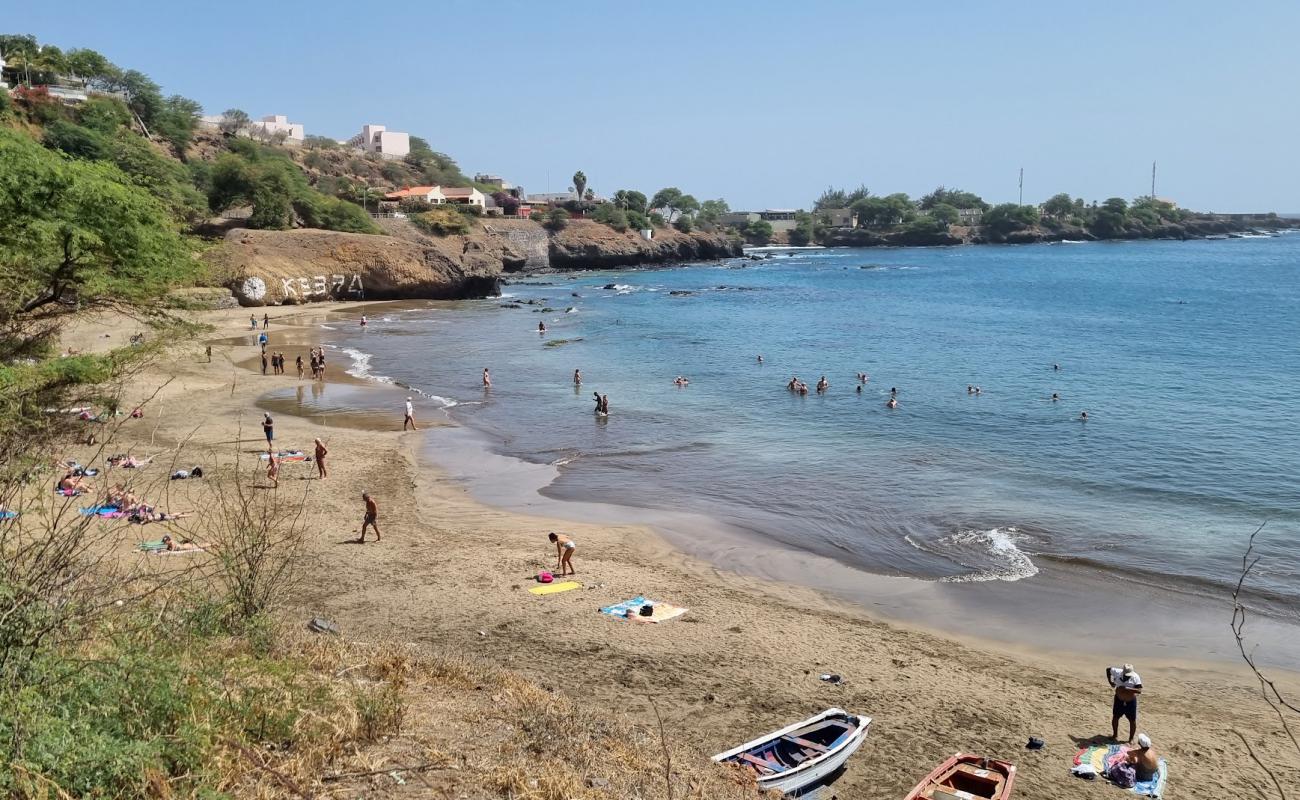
(363, 321)
(793, 385)
(1056, 367)
(978, 390)
(970, 389)
(1083, 416)
(487, 379)
(893, 391)
(859, 388)
(577, 377)
(760, 359)
(1055, 397)
(541, 327)
(598, 403)
(893, 403)
(823, 384)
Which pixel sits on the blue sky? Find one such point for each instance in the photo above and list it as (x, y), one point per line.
(764, 104)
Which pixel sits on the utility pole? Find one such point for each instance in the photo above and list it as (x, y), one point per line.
(1153, 180)
(1022, 186)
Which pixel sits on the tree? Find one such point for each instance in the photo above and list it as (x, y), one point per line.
(557, 219)
(711, 211)
(77, 233)
(508, 203)
(1058, 205)
(759, 231)
(926, 224)
(687, 205)
(1116, 204)
(580, 184)
(312, 141)
(953, 197)
(233, 121)
(684, 224)
(90, 65)
(804, 231)
(76, 140)
(104, 114)
(667, 200)
(944, 214)
(631, 200)
(838, 198)
(1008, 217)
(272, 206)
(884, 212)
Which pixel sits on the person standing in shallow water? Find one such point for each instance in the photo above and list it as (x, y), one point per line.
(487, 379)
(577, 377)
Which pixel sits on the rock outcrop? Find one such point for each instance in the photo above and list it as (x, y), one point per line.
(275, 267)
(584, 244)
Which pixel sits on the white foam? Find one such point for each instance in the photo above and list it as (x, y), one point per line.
(361, 366)
(328, 328)
(1010, 562)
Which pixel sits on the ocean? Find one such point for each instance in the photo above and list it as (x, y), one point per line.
(1184, 355)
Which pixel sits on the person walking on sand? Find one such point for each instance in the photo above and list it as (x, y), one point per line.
(1127, 685)
(252, 322)
(264, 361)
(209, 353)
(321, 452)
(273, 468)
(371, 519)
(564, 547)
(268, 428)
(410, 416)
(298, 362)
(266, 321)
(487, 379)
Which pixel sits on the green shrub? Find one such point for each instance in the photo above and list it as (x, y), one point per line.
(442, 221)
(104, 114)
(637, 220)
(557, 219)
(468, 209)
(76, 141)
(611, 215)
(684, 224)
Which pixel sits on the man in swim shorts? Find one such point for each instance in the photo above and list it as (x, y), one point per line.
(371, 519)
(410, 416)
(1128, 685)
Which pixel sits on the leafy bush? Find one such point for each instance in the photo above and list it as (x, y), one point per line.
(611, 215)
(684, 224)
(76, 141)
(104, 114)
(442, 221)
(468, 209)
(556, 220)
(759, 231)
(637, 220)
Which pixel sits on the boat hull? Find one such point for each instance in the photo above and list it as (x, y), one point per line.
(811, 770)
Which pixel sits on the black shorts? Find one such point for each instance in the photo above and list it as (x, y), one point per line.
(1125, 708)
(370, 519)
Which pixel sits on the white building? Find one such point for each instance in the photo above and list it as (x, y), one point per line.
(389, 144)
(440, 195)
(274, 124)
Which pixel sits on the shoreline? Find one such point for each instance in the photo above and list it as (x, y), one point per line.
(1065, 607)
(451, 571)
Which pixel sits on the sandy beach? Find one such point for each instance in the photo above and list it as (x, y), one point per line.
(452, 574)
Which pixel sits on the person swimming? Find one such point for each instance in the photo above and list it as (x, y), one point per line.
(1055, 397)
(541, 327)
(893, 403)
(893, 391)
(793, 385)
(859, 388)
(823, 384)
(1083, 416)
(760, 359)
(680, 381)
(970, 389)
(978, 390)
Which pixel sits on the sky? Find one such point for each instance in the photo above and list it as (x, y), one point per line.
(764, 104)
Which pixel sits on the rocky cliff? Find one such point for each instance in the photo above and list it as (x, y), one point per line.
(584, 244)
(301, 266)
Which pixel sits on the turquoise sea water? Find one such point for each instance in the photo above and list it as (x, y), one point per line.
(1186, 356)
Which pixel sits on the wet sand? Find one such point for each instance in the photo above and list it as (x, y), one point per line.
(452, 573)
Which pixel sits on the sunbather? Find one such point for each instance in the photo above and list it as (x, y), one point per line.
(144, 514)
(73, 484)
(171, 545)
(1143, 758)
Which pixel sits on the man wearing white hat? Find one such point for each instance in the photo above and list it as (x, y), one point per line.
(410, 416)
(1128, 685)
(1143, 758)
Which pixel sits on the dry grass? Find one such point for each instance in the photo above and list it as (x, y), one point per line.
(405, 723)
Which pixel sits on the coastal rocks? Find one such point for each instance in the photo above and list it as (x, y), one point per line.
(302, 266)
(584, 244)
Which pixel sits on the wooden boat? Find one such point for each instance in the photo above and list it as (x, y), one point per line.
(967, 777)
(803, 753)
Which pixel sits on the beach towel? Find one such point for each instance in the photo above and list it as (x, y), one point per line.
(152, 547)
(7, 514)
(110, 512)
(1100, 757)
(68, 492)
(553, 588)
(286, 456)
(662, 611)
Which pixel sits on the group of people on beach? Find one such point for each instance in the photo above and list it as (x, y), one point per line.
(1140, 763)
(277, 363)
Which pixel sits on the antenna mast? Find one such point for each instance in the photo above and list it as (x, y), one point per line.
(1153, 180)
(1022, 186)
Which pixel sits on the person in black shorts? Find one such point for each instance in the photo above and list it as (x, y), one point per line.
(1128, 685)
(268, 427)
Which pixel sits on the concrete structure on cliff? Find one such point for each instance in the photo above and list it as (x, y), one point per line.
(389, 144)
(439, 195)
(274, 125)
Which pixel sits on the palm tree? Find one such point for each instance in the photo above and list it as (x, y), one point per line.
(580, 183)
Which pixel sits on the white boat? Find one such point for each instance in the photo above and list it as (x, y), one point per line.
(801, 754)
